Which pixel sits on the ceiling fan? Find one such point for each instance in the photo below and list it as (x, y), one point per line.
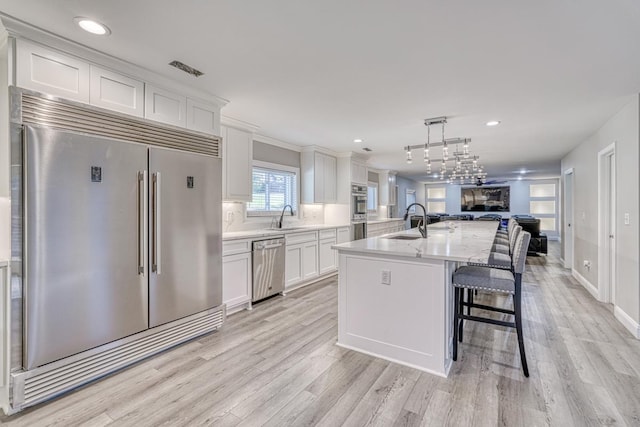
(480, 182)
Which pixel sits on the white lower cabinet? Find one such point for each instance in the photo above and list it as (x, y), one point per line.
(293, 264)
(310, 260)
(327, 256)
(236, 274)
(301, 260)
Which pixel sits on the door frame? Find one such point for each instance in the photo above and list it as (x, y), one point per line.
(606, 224)
(568, 217)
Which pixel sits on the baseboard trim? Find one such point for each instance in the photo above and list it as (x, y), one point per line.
(627, 321)
(593, 290)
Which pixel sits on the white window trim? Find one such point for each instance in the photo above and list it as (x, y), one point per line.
(275, 166)
(407, 192)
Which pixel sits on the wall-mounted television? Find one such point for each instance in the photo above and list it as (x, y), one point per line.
(485, 199)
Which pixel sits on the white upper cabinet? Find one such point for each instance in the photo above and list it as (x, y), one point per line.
(237, 154)
(387, 188)
(165, 106)
(203, 117)
(51, 72)
(116, 92)
(359, 173)
(319, 172)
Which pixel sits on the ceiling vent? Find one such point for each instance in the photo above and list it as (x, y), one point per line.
(187, 69)
(367, 149)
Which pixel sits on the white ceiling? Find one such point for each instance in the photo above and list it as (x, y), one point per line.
(326, 72)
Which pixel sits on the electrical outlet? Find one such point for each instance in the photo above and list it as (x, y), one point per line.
(627, 219)
(385, 277)
(229, 216)
(587, 264)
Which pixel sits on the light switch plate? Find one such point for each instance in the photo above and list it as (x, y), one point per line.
(385, 277)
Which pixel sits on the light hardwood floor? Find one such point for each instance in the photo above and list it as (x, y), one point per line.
(277, 365)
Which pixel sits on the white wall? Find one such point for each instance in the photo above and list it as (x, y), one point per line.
(518, 205)
(624, 130)
(405, 184)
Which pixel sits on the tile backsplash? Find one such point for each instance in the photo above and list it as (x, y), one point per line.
(234, 217)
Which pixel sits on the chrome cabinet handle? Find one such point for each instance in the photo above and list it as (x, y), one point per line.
(142, 218)
(156, 224)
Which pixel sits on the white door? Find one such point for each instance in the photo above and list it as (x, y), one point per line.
(612, 227)
(606, 224)
(568, 219)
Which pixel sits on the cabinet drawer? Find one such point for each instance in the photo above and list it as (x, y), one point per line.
(230, 247)
(294, 238)
(327, 234)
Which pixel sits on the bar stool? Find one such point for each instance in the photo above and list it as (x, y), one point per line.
(472, 277)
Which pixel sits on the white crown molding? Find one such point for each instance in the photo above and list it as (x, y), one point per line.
(237, 123)
(318, 148)
(20, 29)
(278, 143)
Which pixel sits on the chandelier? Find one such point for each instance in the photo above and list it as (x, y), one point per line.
(456, 164)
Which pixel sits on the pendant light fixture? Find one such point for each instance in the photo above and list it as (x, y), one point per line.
(463, 165)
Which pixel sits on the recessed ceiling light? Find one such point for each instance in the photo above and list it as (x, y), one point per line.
(493, 123)
(91, 26)
(357, 140)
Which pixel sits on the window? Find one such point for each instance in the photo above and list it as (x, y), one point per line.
(372, 197)
(410, 197)
(436, 199)
(274, 187)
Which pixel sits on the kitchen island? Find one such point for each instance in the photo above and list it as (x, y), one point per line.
(395, 298)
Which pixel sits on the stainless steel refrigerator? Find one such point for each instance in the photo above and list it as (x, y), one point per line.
(119, 237)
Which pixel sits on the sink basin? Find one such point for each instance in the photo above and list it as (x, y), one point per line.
(286, 228)
(404, 237)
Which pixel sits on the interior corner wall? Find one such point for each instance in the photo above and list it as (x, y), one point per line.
(623, 129)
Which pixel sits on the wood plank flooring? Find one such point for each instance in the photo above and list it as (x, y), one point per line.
(278, 365)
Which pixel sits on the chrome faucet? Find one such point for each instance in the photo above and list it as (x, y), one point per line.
(279, 223)
(423, 229)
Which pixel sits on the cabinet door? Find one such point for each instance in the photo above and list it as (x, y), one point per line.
(359, 173)
(329, 179)
(293, 264)
(344, 235)
(310, 260)
(48, 71)
(237, 151)
(164, 106)
(327, 256)
(116, 92)
(318, 178)
(236, 279)
(203, 117)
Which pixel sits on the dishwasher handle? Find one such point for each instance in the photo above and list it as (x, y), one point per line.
(267, 244)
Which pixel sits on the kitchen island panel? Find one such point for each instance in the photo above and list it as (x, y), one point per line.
(408, 327)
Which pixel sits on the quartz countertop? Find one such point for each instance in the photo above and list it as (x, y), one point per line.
(251, 234)
(466, 241)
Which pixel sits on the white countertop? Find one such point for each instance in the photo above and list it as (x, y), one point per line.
(467, 241)
(251, 234)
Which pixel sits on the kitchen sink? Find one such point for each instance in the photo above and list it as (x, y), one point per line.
(404, 237)
(286, 228)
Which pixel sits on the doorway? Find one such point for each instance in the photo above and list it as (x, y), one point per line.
(607, 224)
(568, 219)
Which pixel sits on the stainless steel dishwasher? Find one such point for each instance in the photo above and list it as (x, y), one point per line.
(268, 268)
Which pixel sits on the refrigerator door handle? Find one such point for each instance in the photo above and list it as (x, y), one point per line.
(142, 219)
(156, 223)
